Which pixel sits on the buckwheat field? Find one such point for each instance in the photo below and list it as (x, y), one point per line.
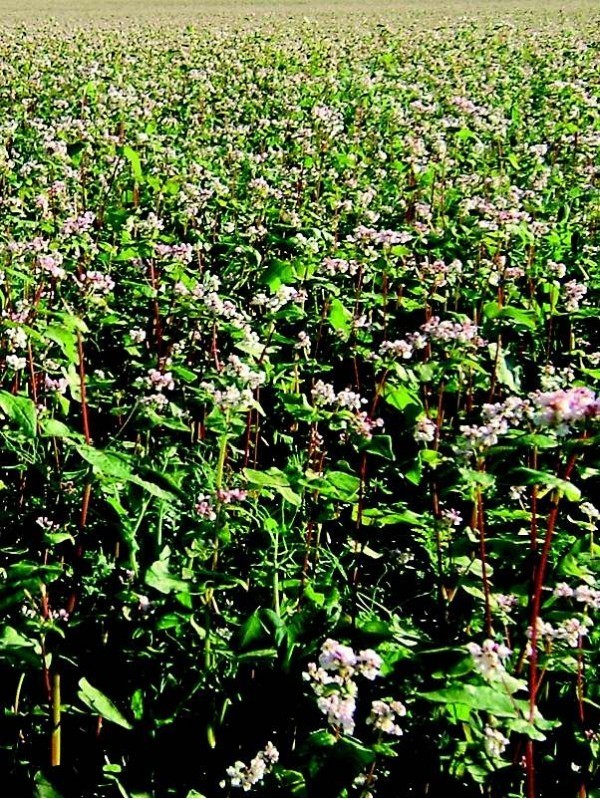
(299, 412)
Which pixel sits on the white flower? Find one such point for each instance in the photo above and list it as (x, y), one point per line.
(399, 348)
(160, 380)
(563, 590)
(336, 656)
(369, 664)
(241, 776)
(590, 510)
(16, 362)
(425, 430)
(383, 716)
(588, 595)
(489, 657)
(138, 335)
(495, 742)
(339, 710)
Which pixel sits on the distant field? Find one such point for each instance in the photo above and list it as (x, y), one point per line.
(31, 11)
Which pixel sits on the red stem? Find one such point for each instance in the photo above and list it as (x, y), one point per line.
(536, 602)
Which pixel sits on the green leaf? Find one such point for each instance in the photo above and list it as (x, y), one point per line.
(550, 481)
(288, 494)
(252, 630)
(320, 739)
(257, 655)
(57, 429)
(20, 410)
(278, 273)
(340, 485)
(274, 479)
(105, 462)
(528, 319)
(137, 704)
(271, 478)
(114, 465)
(100, 704)
(525, 727)
(11, 640)
(379, 446)
(362, 756)
(400, 397)
(75, 152)
(339, 316)
(65, 339)
(503, 374)
(479, 698)
(291, 782)
(136, 165)
(43, 787)
(158, 577)
(392, 515)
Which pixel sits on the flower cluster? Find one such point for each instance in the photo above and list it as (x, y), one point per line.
(178, 252)
(363, 425)
(383, 716)
(323, 394)
(498, 419)
(245, 777)
(159, 382)
(563, 408)
(388, 238)
(244, 373)
(437, 274)
(425, 430)
(435, 330)
(506, 602)
(227, 496)
(399, 348)
(231, 398)
(339, 266)
(559, 410)
(95, 284)
(51, 263)
(574, 294)
(78, 225)
(204, 508)
(59, 385)
(333, 682)
(283, 296)
(582, 594)
(489, 658)
(446, 331)
(570, 631)
(15, 362)
(495, 742)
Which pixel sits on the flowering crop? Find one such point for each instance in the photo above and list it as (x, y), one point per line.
(300, 403)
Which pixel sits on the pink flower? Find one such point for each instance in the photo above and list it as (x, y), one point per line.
(565, 407)
(335, 656)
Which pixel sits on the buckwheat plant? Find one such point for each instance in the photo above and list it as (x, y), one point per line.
(299, 375)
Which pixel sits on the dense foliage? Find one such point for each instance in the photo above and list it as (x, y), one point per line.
(299, 342)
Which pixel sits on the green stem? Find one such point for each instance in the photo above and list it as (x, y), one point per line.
(18, 693)
(159, 529)
(276, 603)
(132, 545)
(55, 736)
(221, 462)
(219, 485)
